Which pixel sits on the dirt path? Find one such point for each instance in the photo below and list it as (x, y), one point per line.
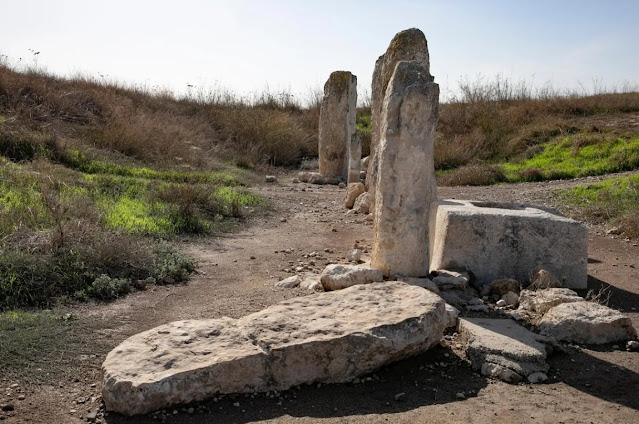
(236, 276)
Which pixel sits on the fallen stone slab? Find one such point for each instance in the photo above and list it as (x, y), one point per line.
(326, 337)
(540, 301)
(338, 276)
(515, 237)
(500, 348)
(588, 323)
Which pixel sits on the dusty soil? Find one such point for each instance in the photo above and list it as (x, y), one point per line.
(236, 276)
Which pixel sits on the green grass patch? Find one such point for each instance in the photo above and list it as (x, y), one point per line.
(613, 202)
(73, 235)
(569, 158)
(78, 161)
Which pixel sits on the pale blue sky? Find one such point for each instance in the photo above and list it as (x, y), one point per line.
(244, 45)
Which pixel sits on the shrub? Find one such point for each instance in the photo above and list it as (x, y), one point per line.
(107, 288)
(171, 266)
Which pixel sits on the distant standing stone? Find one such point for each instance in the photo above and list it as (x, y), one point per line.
(337, 124)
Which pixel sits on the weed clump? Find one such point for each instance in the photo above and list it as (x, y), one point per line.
(474, 175)
(107, 288)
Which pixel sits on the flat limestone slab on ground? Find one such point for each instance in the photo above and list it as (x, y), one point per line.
(514, 237)
(501, 348)
(327, 337)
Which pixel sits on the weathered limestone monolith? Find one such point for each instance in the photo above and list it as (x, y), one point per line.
(406, 45)
(406, 173)
(337, 124)
(354, 159)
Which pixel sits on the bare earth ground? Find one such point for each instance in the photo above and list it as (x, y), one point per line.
(586, 386)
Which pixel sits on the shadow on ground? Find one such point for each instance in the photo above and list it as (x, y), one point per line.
(419, 379)
(597, 377)
(620, 299)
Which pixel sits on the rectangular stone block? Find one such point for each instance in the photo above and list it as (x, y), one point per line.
(495, 240)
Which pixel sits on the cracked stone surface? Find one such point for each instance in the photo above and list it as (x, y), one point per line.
(326, 337)
(500, 348)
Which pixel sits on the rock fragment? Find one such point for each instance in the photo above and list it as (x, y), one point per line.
(586, 322)
(337, 276)
(450, 280)
(503, 286)
(353, 191)
(500, 348)
(289, 283)
(541, 301)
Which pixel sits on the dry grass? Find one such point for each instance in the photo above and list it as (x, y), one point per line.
(194, 131)
(476, 174)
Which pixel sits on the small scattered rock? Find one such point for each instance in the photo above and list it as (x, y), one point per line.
(504, 285)
(337, 276)
(364, 203)
(354, 255)
(632, 346)
(400, 397)
(460, 396)
(317, 178)
(290, 282)
(446, 280)
(353, 191)
(501, 303)
(271, 179)
(542, 279)
(452, 316)
(511, 299)
(537, 377)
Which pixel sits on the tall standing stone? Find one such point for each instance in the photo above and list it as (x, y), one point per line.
(354, 158)
(337, 124)
(406, 173)
(406, 45)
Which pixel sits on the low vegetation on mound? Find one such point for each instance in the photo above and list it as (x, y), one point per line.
(614, 203)
(71, 235)
(495, 132)
(96, 179)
